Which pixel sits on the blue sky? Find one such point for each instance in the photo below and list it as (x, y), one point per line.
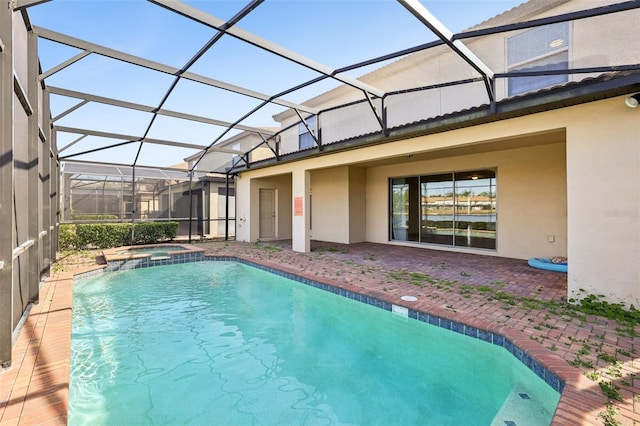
(331, 32)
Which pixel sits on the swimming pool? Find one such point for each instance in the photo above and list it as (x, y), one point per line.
(230, 344)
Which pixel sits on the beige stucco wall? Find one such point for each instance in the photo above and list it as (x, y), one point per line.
(603, 174)
(248, 210)
(357, 204)
(349, 122)
(531, 196)
(330, 205)
(339, 206)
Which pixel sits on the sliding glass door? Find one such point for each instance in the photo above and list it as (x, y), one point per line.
(455, 209)
(437, 209)
(475, 211)
(404, 203)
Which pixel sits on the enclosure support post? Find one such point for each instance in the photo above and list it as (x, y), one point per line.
(201, 214)
(56, 195)
(45, 193)
(170, 199)
(34, 218)
(226, 206)
(133, 204)
(190, 203)
(7, 237)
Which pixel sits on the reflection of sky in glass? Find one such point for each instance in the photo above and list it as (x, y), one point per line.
(476, 187)
(437, 189)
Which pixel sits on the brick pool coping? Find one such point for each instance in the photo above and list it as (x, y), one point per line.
(35, 389)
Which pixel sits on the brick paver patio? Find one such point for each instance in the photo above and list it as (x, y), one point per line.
(501, 295)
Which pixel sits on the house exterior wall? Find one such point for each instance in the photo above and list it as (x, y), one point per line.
(531, 196)
(357, 204)
(330, 205)
(568, 180)
(345, 123)
(551, 168)
(603, 175)
(248, 205)
(593, 42)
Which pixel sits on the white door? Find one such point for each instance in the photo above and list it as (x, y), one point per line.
(267, 214)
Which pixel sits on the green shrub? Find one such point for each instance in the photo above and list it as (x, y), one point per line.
(103, 235)
(146, 233)
(67, 238)
(108, 235)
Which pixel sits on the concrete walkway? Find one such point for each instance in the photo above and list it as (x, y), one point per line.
(504, 296)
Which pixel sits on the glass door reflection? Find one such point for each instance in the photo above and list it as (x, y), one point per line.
(437, 209)
(475, 209)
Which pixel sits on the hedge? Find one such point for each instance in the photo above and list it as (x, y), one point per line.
(107, 235)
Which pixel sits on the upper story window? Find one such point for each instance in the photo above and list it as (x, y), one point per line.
(538, 49)
(305, 139)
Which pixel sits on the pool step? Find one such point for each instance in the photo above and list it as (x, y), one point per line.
(519, 409)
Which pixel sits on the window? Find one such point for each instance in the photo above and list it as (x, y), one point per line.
(305, 139)
(539, 49)
(454, 209)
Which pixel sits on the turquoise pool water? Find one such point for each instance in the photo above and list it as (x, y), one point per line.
(227, 344)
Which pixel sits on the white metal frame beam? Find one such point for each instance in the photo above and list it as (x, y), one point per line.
(23, 4)
(439, 29)
(110, 135)
(73, 142)
(63, 65)
(146, 108)
(119, 165)
(218, 24)
(156, 66)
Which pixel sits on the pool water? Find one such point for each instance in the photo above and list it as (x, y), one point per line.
(224, 343)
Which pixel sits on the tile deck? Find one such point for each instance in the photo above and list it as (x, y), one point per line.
(498, 295)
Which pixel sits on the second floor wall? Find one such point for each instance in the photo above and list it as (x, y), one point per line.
(601, 41)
